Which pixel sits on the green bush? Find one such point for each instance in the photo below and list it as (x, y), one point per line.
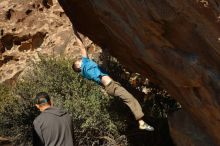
(83, 99)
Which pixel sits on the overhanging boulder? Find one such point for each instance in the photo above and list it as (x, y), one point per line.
(175, 43)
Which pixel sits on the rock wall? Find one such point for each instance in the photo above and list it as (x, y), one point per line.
(5, 142)
(29, 28)
(175, 43)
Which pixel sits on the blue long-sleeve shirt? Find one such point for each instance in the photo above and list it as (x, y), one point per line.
(91, 71)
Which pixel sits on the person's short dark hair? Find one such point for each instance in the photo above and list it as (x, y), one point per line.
(42, 98)
(74, 67)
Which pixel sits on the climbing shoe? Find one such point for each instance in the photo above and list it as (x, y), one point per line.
(145, 126)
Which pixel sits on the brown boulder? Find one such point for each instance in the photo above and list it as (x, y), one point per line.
(174, 43)
(30, 28)
(5, 142)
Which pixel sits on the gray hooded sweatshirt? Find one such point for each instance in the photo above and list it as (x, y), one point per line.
(54, 128)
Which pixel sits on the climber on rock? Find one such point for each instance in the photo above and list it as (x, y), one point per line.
(90, 70)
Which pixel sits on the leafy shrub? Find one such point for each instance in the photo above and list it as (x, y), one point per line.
(97, 118)
(16, 116)
(83, 99)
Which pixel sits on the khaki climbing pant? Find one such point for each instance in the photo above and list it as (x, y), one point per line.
(115, 89)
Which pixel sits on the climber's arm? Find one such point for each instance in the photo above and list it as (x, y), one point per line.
(82, 48)
(84, 52)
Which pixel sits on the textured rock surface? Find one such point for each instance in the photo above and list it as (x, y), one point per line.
(186, 132)
(5, 142)
(28, 28)
(176, 43)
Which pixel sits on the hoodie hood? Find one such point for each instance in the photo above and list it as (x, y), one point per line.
(55, 111)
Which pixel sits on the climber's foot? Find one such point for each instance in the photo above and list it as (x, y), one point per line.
(145, 126)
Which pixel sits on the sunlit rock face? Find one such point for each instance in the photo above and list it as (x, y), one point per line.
(29, 28)
(175, 43)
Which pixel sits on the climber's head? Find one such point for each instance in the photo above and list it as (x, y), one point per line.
(77, 65)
